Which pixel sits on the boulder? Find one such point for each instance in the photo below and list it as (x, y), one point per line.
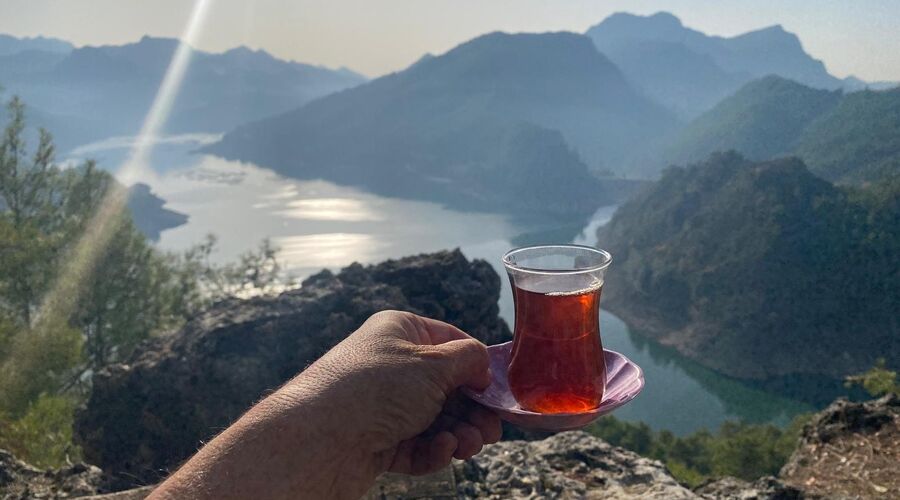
(146, 416)
(566, 465)
(19, 480)
(764, 488)
(849, 450)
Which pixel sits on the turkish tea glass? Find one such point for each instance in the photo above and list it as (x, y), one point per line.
(557, 364)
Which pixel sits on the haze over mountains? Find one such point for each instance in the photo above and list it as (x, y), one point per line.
(88, 93)
(762, 120)
(843, 138)
(466, 118)
(635, 94)
(689, 71)
(10, 45)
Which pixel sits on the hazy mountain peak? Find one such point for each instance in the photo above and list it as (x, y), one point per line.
(515, 57)
(10, 45)
(659, 19)
(688, 71)
(774, 28)
(622, 26)
(499, 122)
(517, 50)
(157, 42)
(523, 42)
(242, 52)
(107, 89)
(772, 35)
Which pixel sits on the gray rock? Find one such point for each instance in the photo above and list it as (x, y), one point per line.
(19, 480)
(134, 494)
(764, 488)
(146, 416)
(566, 465)
(843, 418)
(849, 450)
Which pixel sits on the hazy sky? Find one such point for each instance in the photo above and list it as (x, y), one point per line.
(378, 36)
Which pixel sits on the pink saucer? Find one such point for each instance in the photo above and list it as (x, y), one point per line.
(624, 381)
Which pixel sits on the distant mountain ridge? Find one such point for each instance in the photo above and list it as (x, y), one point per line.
(689, 71)
(503, 120)
(106, 90)
(12, 45)
(850, 138)
(762, 120)
(858, 141)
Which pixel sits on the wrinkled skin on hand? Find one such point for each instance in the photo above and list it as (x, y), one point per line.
(396, 379)
(384, 399)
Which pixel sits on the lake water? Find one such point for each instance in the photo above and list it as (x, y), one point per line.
(318, 225)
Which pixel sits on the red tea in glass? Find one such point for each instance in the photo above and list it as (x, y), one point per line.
(557, 363)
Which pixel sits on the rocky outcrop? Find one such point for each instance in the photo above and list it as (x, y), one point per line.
(764, 488)
(850, 450)
(566, 465)
(19, 480)
(144, 417)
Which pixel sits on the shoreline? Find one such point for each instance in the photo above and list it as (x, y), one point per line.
(812, 389)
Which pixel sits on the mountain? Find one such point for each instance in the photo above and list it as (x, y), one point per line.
(847, 138)
(689, 71)
(858, 141)
(852, 84)
(760, 270)
(761, 121)
(107, 90)
(12, 45)
(493, 124)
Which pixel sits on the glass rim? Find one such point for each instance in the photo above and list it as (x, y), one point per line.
(605, 262)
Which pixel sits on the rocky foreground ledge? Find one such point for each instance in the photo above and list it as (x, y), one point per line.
(144, 417)
(849, 450)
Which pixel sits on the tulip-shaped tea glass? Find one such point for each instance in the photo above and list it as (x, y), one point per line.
(557, 363)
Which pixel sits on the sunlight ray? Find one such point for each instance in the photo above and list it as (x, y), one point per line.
(59, 301)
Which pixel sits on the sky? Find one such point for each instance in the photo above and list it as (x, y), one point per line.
(375, 37)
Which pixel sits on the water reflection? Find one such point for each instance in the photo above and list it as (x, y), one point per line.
(335, 209)
(691, 395)
(325, 250)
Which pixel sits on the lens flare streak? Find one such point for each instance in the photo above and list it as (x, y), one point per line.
(59, 302)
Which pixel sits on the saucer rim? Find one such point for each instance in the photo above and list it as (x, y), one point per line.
(476, 395)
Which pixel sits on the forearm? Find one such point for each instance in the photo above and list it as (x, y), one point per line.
(291, 445)
(376, 401)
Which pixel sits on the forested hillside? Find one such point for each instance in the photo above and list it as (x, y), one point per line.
(760, 270)
(848, 138)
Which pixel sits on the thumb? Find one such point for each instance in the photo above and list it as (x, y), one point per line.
(464, 362)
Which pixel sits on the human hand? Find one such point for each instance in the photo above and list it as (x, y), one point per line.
(393, 382)
(383, 399)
